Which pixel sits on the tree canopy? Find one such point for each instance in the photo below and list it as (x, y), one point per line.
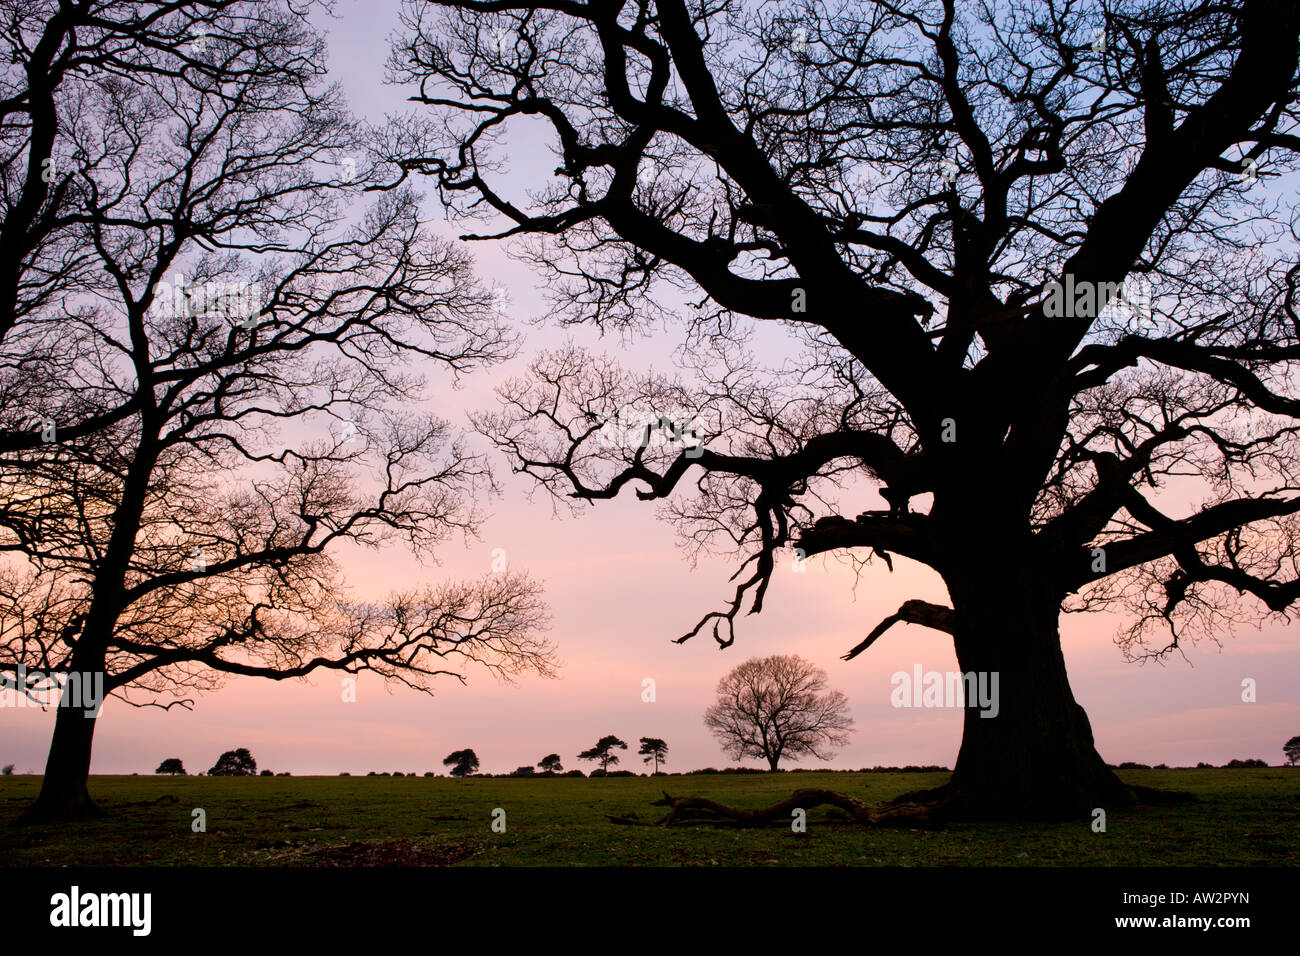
(234, 763)
(462, 762)
(1036, 265)
(550, 764)
(653, 750)
(208, 341)
(778, 707)
(604, 752)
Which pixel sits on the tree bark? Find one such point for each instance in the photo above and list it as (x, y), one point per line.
(64, 794)
(1036, 758)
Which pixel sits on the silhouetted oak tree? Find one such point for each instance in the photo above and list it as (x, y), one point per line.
(897, 185)
(778, 706)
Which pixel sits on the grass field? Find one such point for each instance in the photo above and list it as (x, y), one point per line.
(1242, 817)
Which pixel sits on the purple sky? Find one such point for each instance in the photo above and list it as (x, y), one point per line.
(620, 589)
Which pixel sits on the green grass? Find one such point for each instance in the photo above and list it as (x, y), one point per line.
(1242, 817)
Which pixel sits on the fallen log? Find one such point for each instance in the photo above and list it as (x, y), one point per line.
(701, 809)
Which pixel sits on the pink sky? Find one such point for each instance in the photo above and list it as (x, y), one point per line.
(620, 589)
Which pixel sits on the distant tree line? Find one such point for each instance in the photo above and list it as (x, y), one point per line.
(232, 763)
(653, 750)
(463, 763)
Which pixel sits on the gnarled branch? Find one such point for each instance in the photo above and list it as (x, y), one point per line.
(912, 612)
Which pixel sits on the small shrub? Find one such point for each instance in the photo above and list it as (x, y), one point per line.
(344, 773)
(523, 771)
(430, 773)
(1131, 765)
(574, 773)
(284, 773)
(1239, 764)
(266, 773)
(7, 770)
(1205, 766)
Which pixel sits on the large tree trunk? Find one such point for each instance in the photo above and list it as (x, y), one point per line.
(1035, 759)
(64, 795)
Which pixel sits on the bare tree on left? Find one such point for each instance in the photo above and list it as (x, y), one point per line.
(208, 379)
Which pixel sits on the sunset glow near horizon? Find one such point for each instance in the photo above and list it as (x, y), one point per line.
(620, 589)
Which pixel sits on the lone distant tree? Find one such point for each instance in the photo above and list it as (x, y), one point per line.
(652, 748)
(778, 706)
(604, 752)
(1292, 750)
(550, 764)
(234, 763)
(173, 766)
(462, 762)
(901, 196)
